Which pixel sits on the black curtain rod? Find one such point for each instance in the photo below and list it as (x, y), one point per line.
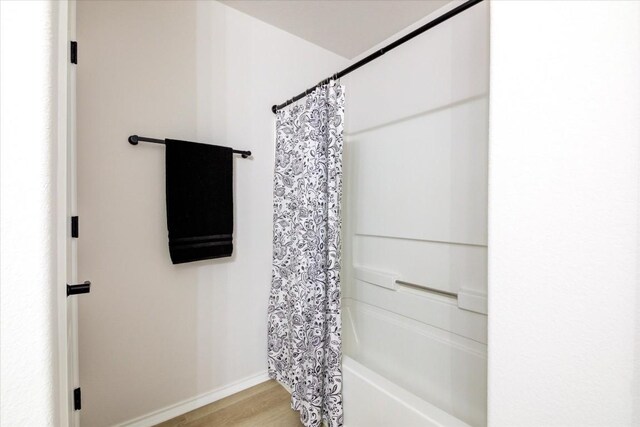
(134, 139)
(439, 20)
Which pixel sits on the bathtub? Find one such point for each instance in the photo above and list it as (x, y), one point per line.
(372, 400)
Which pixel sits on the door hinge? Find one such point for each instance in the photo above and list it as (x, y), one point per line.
(74, 52)
(77, 399)
(75, 231)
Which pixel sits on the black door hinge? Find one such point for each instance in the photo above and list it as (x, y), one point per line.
(74, 52)
(77, 399)
(75, 231)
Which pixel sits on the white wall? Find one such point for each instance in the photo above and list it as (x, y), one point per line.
(153, 334)
(564, 331)
(415, 209)
(31, 284)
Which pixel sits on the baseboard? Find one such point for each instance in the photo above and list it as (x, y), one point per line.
(187, 405)
(284, 386)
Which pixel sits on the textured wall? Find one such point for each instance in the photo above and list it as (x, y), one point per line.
(28, 294)
(564, 324)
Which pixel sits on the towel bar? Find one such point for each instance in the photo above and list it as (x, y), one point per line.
(134, 139)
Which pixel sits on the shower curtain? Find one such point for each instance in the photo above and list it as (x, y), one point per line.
(304, 324)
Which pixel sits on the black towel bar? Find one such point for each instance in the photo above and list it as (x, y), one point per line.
(134, 139)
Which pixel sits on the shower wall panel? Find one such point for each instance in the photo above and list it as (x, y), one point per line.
(415, 215)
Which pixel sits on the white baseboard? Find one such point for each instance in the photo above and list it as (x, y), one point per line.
(284, 386)
(187, 405)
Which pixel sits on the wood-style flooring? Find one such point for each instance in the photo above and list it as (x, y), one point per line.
(264, 405)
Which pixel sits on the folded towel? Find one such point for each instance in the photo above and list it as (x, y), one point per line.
(199, 200)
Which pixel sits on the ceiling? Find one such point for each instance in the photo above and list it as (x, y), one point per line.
(345, 27)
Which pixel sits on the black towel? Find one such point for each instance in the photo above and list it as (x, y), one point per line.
(199, 200)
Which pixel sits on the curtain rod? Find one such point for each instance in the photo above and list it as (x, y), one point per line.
(453, 12)
(134, 139)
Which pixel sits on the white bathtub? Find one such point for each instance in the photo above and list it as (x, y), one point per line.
(371, 400)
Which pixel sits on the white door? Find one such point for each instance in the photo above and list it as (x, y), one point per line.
(73, 380)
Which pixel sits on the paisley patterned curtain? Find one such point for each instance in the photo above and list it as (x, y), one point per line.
(305, 351)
